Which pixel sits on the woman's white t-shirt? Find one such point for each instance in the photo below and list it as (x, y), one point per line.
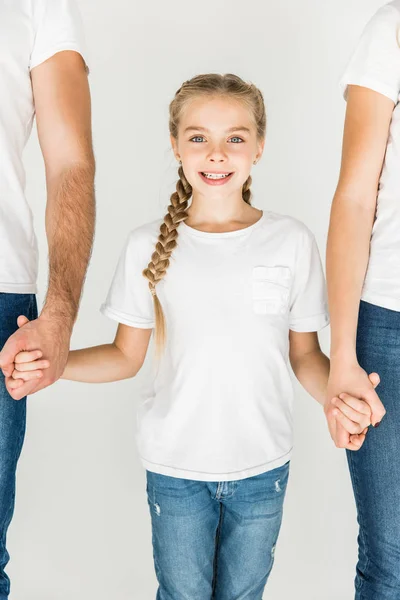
(376, 65)
(31, 31)
(220, 403)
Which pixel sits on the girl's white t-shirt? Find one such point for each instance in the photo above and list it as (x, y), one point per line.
(31, 31)
(376, 65)
(220, 404)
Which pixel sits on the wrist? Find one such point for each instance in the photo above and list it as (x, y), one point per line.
(341, 354)
(63, 321)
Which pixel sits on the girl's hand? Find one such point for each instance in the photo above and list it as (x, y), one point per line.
(354, 415)
(27, 366)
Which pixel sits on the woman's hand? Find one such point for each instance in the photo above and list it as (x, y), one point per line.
(354, 416)
(351, 381)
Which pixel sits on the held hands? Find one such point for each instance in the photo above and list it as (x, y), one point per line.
(346, 430)
(352, 414)
(23, 367)
(348, 416)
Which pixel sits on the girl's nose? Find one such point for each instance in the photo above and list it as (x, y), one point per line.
(217, 155)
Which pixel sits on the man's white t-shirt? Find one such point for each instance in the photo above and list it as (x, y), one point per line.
(220, 403)
(31, 31)
(376, 65)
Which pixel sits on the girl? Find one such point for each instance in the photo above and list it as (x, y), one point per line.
(364, 292)
(231, 292)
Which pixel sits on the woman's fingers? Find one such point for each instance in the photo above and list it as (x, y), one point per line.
(377, 408)
(374, 379)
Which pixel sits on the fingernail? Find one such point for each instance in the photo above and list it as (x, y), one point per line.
(377, 424)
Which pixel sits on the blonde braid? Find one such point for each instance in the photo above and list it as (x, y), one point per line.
(206, 85)
(166, 243)
(246, 192)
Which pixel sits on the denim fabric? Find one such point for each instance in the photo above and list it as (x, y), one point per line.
(375, 468)
(12, 425)
(215, 540)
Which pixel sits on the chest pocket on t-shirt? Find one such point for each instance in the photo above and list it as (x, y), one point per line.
(271, 288)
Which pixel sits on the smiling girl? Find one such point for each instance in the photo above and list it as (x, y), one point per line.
(232, 292)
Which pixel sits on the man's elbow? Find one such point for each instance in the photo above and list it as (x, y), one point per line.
(75, 165)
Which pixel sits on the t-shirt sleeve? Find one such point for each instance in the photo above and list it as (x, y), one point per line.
(375, 63)
(58, 27)
(129, 300)
(308, 301)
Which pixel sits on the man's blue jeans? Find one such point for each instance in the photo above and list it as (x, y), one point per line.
(375, 468)
(215, 540)
(12, 425)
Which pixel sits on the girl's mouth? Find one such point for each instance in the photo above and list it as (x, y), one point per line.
(215, 178)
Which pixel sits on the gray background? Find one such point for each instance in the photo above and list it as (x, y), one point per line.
(81, 528)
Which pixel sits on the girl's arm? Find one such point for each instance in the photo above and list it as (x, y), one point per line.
(309, 363)
(366, 130)
(311, 367)
(121, 359)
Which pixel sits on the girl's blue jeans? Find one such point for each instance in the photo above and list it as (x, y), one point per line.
(215, 540)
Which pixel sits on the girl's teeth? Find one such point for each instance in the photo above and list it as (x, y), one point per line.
(215, 175)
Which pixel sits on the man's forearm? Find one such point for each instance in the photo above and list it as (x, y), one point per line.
(70, 221)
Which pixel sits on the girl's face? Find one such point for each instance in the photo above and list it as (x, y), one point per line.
(217, 144)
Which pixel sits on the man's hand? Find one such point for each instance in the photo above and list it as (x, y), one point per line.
(51, 337)
(353, 380)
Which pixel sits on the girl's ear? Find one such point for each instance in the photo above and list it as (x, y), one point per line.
(174, 145)
(260, 150)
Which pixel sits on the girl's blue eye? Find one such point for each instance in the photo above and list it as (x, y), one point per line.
(236, 140)
(197, 138)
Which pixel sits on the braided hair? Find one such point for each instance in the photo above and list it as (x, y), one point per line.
(202, 85)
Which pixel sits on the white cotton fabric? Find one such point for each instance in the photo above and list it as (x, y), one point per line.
(31, 31)
(219, 407)
(375, 64)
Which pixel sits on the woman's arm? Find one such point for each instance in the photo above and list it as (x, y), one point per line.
(366, 130)
(121, 359)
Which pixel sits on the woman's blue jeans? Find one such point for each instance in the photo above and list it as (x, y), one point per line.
(375, 468)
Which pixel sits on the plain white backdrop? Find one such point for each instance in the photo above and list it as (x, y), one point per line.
(81, 528)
